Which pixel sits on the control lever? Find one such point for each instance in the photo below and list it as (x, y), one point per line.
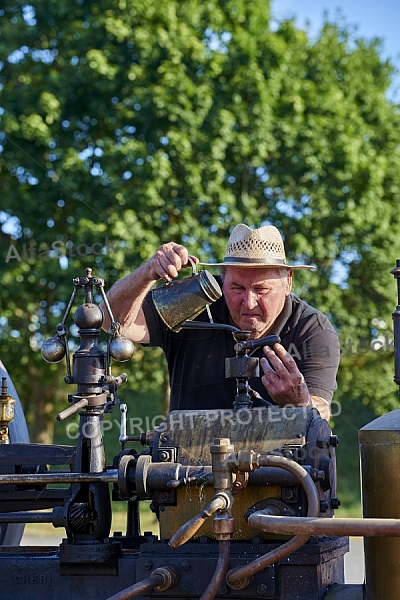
(269, 340)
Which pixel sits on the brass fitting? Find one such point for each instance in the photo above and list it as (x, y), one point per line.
(7, 412)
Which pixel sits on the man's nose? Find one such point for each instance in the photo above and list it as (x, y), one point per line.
(250, 299)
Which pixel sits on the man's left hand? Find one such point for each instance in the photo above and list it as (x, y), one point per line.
(282, 378)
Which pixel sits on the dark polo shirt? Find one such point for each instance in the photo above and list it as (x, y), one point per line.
(196, 357)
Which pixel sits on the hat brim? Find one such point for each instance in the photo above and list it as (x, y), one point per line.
(255, 265)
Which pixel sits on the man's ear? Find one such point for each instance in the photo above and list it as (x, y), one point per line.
(289, 281)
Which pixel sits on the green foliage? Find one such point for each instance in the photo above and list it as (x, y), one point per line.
(353, 415)
(124, 125)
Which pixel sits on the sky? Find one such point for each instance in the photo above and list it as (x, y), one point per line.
(372, 18)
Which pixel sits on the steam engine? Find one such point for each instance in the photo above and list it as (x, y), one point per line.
(244, 497)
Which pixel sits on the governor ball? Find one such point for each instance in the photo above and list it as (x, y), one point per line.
(53, 350)
(121, 349)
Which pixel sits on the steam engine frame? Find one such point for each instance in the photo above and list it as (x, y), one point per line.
(245, 498)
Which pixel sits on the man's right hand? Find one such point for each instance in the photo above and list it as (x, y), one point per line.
(126, 295)
(169, 259)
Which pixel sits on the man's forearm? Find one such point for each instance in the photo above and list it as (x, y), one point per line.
(126, 298)
(323, 406)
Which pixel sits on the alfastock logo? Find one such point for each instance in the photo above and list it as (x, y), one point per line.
(57, 249)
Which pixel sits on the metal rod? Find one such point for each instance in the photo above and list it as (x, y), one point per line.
(26, 517)
(64, 414)
(106, 303)
(324, 526)
(206, 325)
(108, 476)
(68, 309)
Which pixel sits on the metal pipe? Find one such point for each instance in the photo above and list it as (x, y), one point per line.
(108, 476)
(275, 476)
(157, 481)
(301, 474)
(220, 571)
(161, 579)
(142, 587)
(323, 526)
(239, 578)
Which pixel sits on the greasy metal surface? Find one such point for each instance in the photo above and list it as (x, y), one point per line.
(315, 566)
(34, 573)
(191, 432)
(380, 459)
(190, 501)
(259, 429)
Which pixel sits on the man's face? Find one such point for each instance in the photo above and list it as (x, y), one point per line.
(255, 297)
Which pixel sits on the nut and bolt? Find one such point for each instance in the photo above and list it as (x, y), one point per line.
(262, 589)
(223, 590)
(163, 456)
(334, 441)
(323, 506)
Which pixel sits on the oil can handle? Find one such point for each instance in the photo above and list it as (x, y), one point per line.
(193, 265)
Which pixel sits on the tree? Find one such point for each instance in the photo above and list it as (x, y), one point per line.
(125, 125)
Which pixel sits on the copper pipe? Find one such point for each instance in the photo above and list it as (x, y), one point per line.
(142, 587)
(220, 571)
(239, 578)
(162, 578)
(302, 476)
(323, 526)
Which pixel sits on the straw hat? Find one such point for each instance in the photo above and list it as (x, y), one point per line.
(261, 247)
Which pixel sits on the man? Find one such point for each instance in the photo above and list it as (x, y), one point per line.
(256, 286)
